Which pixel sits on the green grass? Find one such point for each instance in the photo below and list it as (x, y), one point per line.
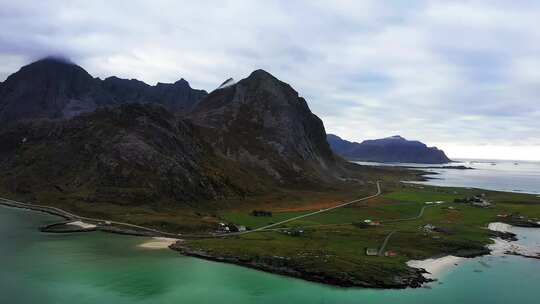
(246, 219)
(334, 249)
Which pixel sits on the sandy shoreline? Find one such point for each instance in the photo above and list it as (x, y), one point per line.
(158, 243)
(82, 225)
(436, 267)
(501, 227)
(501, 247)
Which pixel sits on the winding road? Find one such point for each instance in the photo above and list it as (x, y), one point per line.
(71, 216)
(104, 222)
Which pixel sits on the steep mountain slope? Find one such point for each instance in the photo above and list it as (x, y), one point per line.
(263, 123)
(390, 149)
(54, 88)
(129, 158)
(128, 155)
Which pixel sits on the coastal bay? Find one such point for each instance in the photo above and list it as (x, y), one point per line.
(98, 267)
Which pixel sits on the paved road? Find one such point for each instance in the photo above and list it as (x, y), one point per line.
(319, 211)
(69, 215)
(420, 214)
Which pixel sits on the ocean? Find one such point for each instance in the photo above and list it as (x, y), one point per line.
(501, 175)
(96, 267)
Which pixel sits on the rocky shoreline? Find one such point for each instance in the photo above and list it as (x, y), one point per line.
(278, 265)
(415, 278)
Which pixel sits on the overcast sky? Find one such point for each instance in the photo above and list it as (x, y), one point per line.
(461, 75)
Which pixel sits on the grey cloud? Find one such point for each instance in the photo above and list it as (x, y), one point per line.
(454, 72)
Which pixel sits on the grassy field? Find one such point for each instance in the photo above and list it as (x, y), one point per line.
(331, 244)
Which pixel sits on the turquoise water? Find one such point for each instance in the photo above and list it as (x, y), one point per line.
(502, 175)
(106, 268)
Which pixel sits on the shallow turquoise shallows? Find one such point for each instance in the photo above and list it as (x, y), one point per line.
(106, 268)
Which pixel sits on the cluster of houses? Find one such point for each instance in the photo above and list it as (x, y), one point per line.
(228, 228)
(297, 231)
(368, 223)
(477, 201)
(434, 203)
(375, 252)
(428, 228)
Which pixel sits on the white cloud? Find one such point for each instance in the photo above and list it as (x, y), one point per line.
(456, 73)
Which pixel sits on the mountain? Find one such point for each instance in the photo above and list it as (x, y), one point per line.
(177, 97)
(49, 88)
(129, 155)
(390, 149)
(54, 88)
(263, 123)
(252, 137)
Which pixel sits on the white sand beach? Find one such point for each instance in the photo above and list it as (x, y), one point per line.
(158, 243)
(501, 227)
(501, 247)
(82, 224)
(435, 267)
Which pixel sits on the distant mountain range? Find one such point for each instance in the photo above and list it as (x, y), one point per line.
(390, 149)
(115, 141)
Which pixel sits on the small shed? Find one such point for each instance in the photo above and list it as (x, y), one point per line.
(390, 253)
(372, 251)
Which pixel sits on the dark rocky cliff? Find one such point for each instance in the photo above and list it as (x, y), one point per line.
(177, 97)
(49, 88)
(54, 88)
(263, 122)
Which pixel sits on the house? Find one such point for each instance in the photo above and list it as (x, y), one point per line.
(261, 213)
(390, 253)
(443, 230)
(481, 204)
(428, 228)
(294, 231)
(372, 251)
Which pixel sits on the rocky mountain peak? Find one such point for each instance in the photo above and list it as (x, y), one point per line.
(267, 124)
(56, 88)
(227, 83)
(49, 88)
